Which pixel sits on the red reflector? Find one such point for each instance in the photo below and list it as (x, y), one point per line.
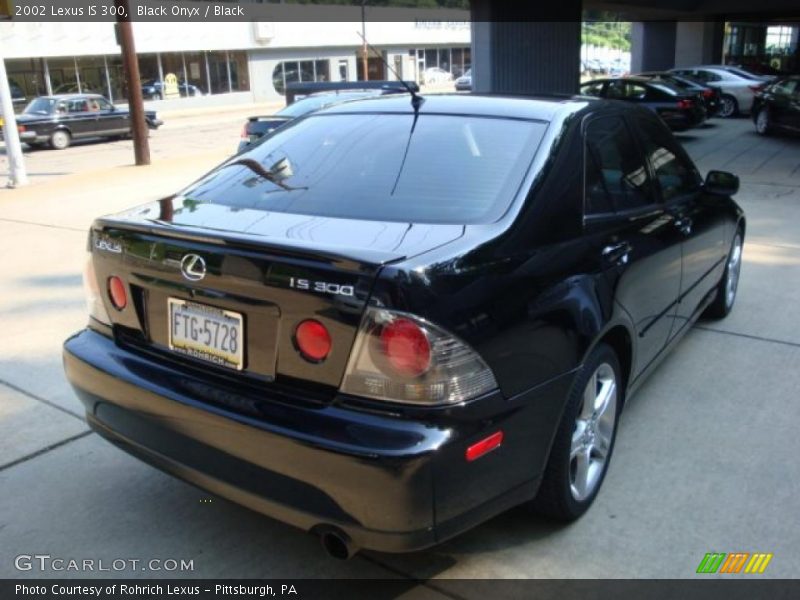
(486, 445)
(407, 347)
(313, 340)
(117, 293)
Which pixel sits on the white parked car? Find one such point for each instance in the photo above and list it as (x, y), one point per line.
(737, 87)
(436, 75)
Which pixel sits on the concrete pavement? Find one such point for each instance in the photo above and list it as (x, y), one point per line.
(704, 459)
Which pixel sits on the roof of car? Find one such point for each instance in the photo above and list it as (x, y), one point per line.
(71, 96)
(543, 108)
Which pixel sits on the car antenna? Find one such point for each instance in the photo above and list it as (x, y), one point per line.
(416, 99)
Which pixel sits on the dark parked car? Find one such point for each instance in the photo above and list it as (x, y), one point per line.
(57, 120)
(709, 95)
(680, 110)
(305, 98)
(464, 83)
(778, 107)
(391, 320)
(154, 90)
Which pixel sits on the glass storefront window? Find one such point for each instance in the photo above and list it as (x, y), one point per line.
(240, 79)
(63, 78)
(322, 70)
(116, 75)
(196, 70)
(27, 75)
(218, 67)
(444, 59)
(148, 68)
(92, 72)
(431, 58)
(307, 70)
(293, 71)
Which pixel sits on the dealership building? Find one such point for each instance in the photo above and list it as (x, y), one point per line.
(247, 61)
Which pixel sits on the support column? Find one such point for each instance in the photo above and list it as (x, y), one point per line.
(698, 43)
(652, 46)
(516, 54)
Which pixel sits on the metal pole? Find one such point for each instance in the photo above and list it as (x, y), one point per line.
(364, 59)
(108, 79)
(47, 82)
(77, 74)
(16, 165)
(228, 64)
(141, 146)
(161, 76)
(208, 72)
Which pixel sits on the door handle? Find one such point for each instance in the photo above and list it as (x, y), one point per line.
(617, 253)
(684, 225)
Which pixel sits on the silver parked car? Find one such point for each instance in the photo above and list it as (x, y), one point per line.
(737, 87)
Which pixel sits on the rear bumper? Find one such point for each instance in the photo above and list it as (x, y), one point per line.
(24, 136)
(389, 483)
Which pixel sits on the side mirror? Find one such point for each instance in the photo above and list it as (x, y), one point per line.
(721, 183)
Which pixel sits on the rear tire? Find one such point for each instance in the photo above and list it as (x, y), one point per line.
(60, 140)
(728, 285)
(584, 442)
(728, 106)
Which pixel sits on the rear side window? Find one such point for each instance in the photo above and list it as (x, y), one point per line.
(786, 87)
(615, 177)
(386, 167)
(675, 175)
(592, 89)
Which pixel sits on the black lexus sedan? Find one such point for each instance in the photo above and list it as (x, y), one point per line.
(708, 95)
(679, 109)
(57, 120)
(397, 317)
(777, 107)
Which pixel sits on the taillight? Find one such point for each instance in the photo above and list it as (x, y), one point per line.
(685, 103)
(94, 300)
(398, 357)
(245, 135)
(117, 292)
(708, 93)
(313, 340)
(21, 128)
(406, 347)
(758, 87)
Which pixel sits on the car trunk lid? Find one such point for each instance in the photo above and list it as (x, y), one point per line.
(272, 270)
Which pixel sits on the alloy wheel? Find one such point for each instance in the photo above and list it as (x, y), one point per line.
(593, 433)
(762, 122)
(728, 107)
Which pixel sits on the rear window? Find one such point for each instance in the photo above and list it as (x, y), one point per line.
(386, 167)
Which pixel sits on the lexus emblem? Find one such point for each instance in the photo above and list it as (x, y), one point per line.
(193, 267)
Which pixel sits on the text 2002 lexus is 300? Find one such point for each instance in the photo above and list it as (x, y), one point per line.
(393, 319)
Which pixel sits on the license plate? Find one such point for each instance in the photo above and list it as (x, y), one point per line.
(207, 333)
